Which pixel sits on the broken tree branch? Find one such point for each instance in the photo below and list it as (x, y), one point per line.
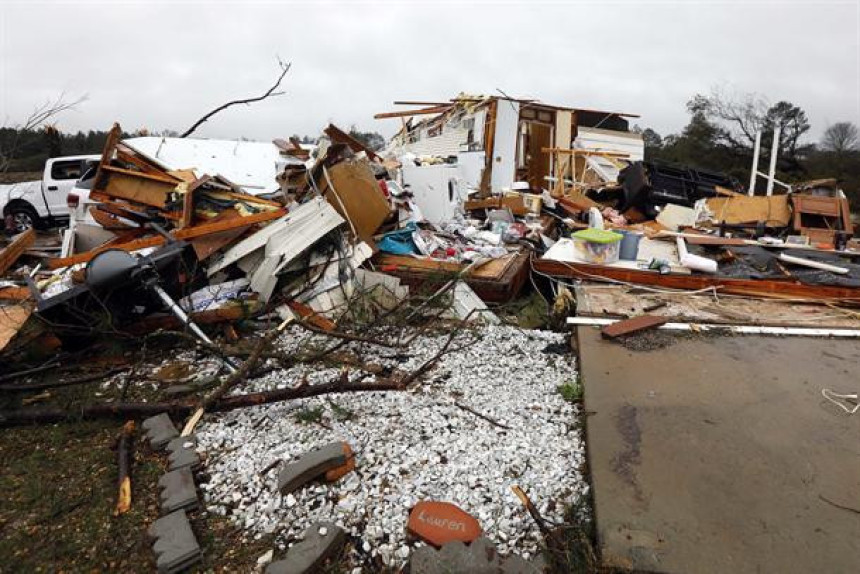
(542, 525)
(123, 503)
(490, 420)
(269, 93)
(54, 384)
(183, 408)
(20, 374)
(239, 375)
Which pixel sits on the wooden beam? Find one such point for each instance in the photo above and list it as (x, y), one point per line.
(408, 103)
(337, 135)
(14, 293)
(420, 112)
(770, 288)
(574, 151)
(186, 233)
(21, 243)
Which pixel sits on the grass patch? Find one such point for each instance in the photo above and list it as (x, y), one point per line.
(575, 551)
(309, 415)
(341, 413)
(571, 391)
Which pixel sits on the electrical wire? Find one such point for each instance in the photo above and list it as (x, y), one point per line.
(831, 396)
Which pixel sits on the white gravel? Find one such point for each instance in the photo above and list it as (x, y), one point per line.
(411, 446)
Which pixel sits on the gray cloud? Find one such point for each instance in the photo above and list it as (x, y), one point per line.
(162, 65)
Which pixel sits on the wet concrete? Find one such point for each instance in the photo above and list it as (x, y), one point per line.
(717, 454)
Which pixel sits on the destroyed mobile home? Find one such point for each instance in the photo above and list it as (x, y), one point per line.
(382, 279)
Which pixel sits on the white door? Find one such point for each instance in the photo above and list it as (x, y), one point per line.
(59, 181)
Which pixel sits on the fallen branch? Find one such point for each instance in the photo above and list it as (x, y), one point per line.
(33, 371)
(56, 384)
(235, 377)
(347, 336)
(429, 363)
(542, 525)
(183, 408)
(123, 503)
(269, 93)
(482, 416)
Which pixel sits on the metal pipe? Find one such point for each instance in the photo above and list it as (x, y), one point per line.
(753, 175)
(774, 150)
(186, 320)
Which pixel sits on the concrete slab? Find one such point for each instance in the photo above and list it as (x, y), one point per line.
(712, 454)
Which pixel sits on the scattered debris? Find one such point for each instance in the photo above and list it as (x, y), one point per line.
(636, 324)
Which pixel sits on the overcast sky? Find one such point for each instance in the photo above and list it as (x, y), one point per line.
(161, 65)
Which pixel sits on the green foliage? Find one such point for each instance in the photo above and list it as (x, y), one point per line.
(309, 415)
(571, 391)
(373, 140)
(33, 147)
(341, 413)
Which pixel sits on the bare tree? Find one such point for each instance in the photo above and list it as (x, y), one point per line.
(739, 117)
(269, 93)
(39, 117)
(742, 114)
(840, 137)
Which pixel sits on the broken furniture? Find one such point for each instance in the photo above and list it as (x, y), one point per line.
(498, 281)
(649, 185)
(821, 217)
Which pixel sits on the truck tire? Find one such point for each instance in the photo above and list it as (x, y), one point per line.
(23, 216)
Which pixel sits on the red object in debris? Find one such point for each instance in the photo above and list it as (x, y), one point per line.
(439, 522)
(384, 187)
(450, 252)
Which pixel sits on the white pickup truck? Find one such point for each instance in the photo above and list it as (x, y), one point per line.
(43, 203)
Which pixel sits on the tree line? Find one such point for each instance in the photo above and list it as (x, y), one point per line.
(721, 133)
(33, 146)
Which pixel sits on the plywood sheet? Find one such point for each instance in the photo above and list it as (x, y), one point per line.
(12, 318)
(773, 210)
(357, 197)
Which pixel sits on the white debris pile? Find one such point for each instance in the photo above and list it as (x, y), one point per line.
(411, 445)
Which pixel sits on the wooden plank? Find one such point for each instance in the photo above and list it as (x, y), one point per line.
(21, 243)
(187, 233)
(246, 309)
(634, 325)
(497, 281)
(311, 316)
(578, 152)
(772, 288)
(14, 293)
(140, 190)
(339, 136)
(419, 112)
(108, 220)
(159, 177)
(772, 210)
(712, 240)
(12, 319)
